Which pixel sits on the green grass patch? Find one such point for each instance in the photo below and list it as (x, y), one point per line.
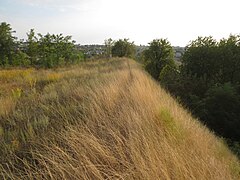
(169, 124)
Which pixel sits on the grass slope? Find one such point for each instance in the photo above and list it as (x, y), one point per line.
(102, 120)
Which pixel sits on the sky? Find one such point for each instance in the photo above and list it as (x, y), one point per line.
(93, 21)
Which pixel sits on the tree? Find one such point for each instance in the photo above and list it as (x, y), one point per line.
(169, 78)
(212, 62)
(229, 59)
(157, 56)
(200, 60)
(55, 50)
(21, 59)
(108, 47)
(7, 44)
(210, 78)
(32, 47)
(123, 48)
(207, 82)
(48, 50)
(222, 111)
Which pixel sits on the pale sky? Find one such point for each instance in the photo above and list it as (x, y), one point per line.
(93, 21)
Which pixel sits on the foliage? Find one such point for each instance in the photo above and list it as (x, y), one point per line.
(123, 48)
(7, 44)
(215, 66)
(215, 62)
(222, 111)
(168, 77)
(200, 59)
(21, 59)
(157, 56)
(108, 45)
(32, 47)
(39, 50)
(229, 59)
(55, 50)
(208, 83)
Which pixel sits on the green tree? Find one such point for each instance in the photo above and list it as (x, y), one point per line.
(229, 59)
(207, 82)
(212, 63)
(157, 56)
(200, 60)
(7, 44)
(48, 50)
(169, 78)
(32, 47)
(210, 84)
(222, 111)
(123, 48)
(55, 50)
(108, 47)
(21, 59)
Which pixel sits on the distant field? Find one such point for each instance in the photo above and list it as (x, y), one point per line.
(104, 119)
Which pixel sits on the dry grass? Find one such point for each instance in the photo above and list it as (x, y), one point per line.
(98, 121)
(7, 105)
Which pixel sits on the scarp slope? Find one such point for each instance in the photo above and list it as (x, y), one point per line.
(121, 125)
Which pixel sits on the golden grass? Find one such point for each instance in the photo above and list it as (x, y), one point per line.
(7, 105)
(96, 121)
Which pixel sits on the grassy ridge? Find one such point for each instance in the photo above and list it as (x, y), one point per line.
(103, 120)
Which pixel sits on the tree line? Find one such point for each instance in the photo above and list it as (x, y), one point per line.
(38, 50)
(207, 82)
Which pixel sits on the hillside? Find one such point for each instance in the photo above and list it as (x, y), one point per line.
(103, 119)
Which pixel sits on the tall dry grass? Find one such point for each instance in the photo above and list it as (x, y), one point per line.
(101, 121)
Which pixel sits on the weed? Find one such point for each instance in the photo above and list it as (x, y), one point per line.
(51, 77)
(16, 93)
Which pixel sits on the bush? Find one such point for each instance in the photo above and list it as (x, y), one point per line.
(222, 105)
(157, 56)
(21, 59)
(123, 48)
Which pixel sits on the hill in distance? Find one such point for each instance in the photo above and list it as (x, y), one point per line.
(105, 119)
